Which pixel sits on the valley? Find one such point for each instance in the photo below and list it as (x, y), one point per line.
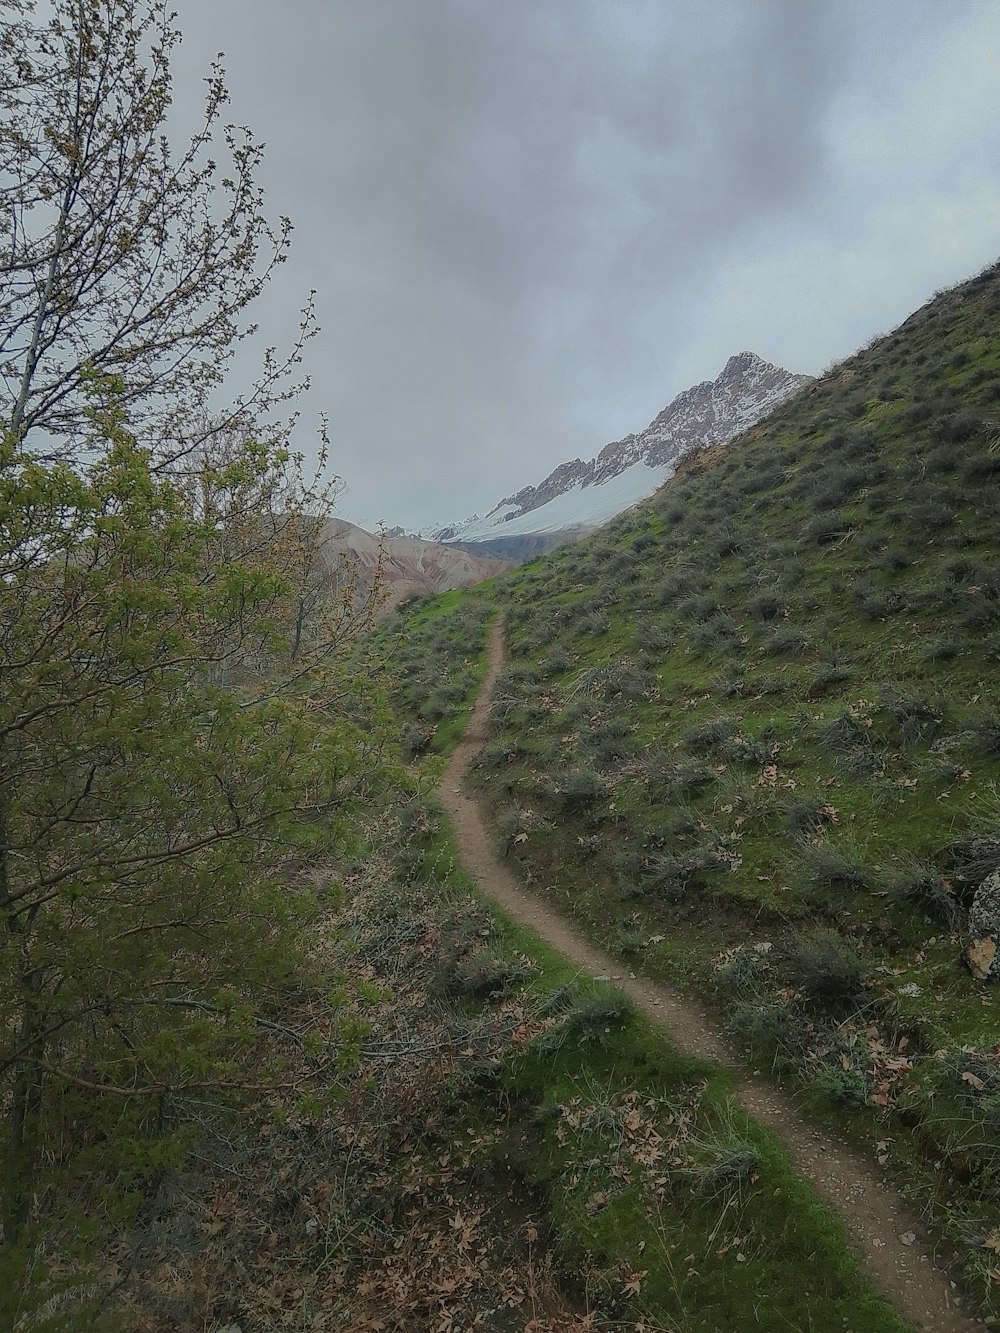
(580, 917)
(746, 738)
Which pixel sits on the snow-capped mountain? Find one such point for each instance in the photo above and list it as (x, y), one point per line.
(581, 495)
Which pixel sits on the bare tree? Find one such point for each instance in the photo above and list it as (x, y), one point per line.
(116, 254)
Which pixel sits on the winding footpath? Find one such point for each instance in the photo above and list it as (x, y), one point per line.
(872, 1211)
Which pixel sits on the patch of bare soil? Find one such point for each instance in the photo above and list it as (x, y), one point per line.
(887, 1237)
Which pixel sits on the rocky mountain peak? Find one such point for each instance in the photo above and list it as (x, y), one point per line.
(580, 494)
(741, 362)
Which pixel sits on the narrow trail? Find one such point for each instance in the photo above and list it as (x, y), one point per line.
(871, 1209)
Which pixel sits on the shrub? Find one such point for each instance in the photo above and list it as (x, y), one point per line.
(664, 877)
(745, 969)
(700, 608)
(620, 680)
(769, 1026)
(442, 702)
(587, 1019)
(913, 717)
(974, 856)
(827, 968)
(827, 528)
(498, 753)
(836, 488)
(655, 770)
(729, 543)
(785, 642)
(688, 779)
(766, 606)
(895, 560)
(826, 679)
(987, 733)
(415, 740)
(557, 662)
(848, 1087)
(731, 684)
(803, 817)
(654, 636)
(708, 736)
(862, 442)
(580, 790)
(982, 468)
(746, 751)
(876, 603)
(933, 514)
(606, 745)
(593, 625)
(775, 685)
(834, 868)
(628, 939)
(720, 632)
(945, 458)
(954, 427)
(941, 650)
(728, 1165)
(923, 887)
(917, 413)
(845, 735)
(481, 975)
(982, 601)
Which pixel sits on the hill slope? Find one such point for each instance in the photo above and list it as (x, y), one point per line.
(403, 565)
(751, 737)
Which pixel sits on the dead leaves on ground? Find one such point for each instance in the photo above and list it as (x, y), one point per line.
(377, 1212)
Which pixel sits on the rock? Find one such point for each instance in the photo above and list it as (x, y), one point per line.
(984, 930)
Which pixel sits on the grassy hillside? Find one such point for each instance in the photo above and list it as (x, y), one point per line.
(502, 1144)
(646, 1194)
(750, 734)
(431, 652)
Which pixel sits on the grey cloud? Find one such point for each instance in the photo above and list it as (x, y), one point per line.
(511, 211)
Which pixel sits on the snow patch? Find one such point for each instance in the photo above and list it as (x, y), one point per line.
(580, 506)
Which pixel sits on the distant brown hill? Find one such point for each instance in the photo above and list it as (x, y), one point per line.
(408, 565)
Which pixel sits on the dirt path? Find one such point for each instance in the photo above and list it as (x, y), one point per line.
(871, 1209)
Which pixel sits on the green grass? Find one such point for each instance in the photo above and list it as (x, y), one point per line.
(432, 653)
(717, 1251)
(855, 661)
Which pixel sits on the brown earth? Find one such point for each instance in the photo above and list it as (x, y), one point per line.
(402, 566)
(872, 1211)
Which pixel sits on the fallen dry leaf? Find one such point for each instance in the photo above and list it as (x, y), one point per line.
(979, 954)
(633, 1283)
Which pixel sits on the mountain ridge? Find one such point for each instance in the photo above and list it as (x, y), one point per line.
(581, 494)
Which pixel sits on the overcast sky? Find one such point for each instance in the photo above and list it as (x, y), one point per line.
(530, 223)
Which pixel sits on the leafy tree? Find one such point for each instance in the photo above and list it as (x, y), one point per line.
(177, 726)
(166, 759)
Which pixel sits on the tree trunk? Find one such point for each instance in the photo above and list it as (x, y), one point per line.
(26, 1095)
(23, 1122)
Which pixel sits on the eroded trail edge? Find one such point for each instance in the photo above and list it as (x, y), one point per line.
(872, 1211)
